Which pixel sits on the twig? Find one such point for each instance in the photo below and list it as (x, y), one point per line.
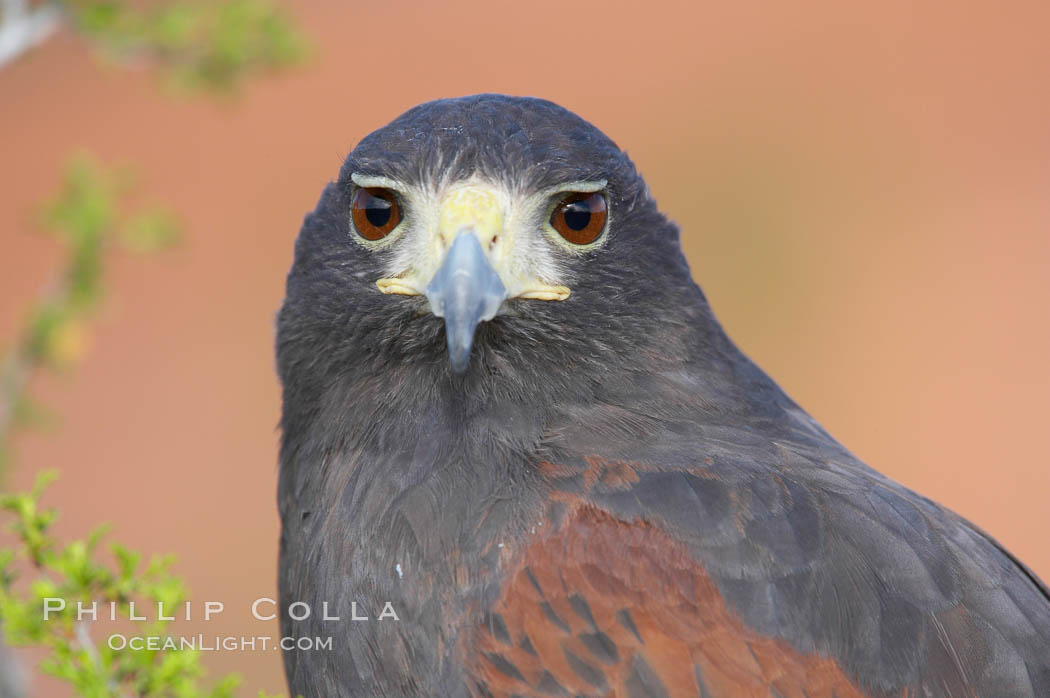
(22, 28)
(20, 362)
(14, 374)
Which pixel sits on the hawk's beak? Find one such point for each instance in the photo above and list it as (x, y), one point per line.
(466, 291)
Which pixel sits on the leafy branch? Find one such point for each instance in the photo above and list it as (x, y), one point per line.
(196, 43)
(72, 571)
(199, 44)
(89, 215)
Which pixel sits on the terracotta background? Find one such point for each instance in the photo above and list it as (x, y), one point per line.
(863, 190)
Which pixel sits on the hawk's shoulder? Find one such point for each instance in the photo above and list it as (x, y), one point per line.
(595, 605)
(806, 577)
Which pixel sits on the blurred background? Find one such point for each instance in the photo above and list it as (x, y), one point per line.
(863, 191)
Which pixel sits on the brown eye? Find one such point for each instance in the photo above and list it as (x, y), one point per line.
(580, 218)
(375, 212)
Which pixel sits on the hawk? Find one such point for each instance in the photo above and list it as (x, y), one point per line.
(511, 417)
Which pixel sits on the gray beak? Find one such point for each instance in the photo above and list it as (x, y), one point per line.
(466, 291)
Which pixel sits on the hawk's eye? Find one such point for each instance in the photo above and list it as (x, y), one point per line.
(375, 212)
(580, 218)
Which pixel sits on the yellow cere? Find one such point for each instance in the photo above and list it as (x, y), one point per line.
(471, 207)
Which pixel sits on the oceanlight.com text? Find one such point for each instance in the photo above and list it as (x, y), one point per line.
(217, 643)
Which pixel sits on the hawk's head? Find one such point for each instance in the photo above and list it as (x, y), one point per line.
(481, 235)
